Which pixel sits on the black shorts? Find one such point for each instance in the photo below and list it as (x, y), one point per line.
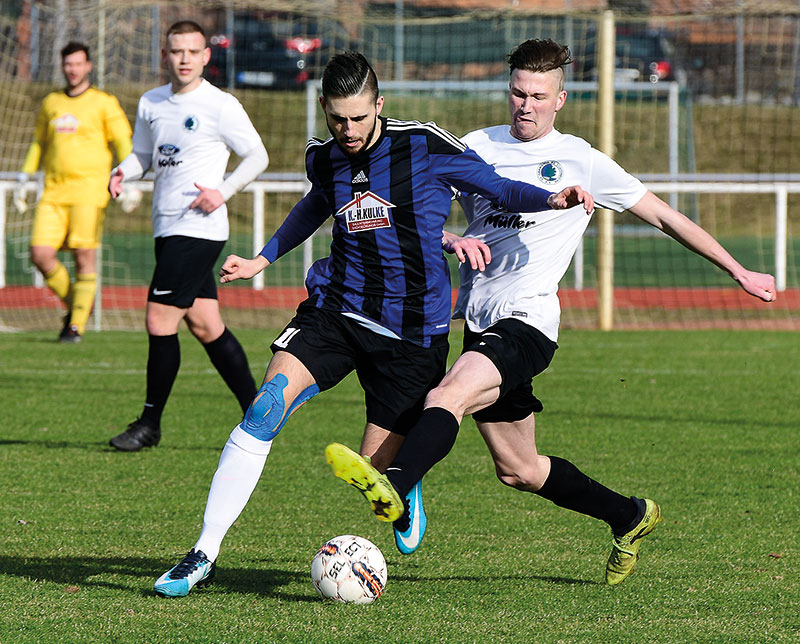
(184, 270)
(519, 351)
(396, 375)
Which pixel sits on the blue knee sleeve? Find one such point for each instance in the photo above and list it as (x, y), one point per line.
(266, 415)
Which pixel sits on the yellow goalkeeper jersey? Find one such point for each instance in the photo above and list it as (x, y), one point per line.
(72, 140)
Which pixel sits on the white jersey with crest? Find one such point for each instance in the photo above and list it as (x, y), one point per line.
(187, 139)
(532, 251)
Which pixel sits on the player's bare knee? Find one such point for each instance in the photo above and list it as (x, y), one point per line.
(43, 257)
(202, 332)
(447, 398)
(84, 260)
(525, 478)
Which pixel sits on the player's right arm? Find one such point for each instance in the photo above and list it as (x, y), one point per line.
(139, 160)
(307, 215)
(236, 268)
(31, 163)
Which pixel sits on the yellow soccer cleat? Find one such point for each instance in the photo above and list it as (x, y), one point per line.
(625, 548)
(374, 486)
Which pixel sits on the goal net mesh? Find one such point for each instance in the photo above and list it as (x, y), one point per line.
(736, 69)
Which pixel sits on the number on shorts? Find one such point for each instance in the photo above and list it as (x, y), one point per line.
(286, 337)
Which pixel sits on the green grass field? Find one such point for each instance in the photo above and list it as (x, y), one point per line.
(704, 422)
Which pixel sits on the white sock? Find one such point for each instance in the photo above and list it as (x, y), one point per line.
(239, 469)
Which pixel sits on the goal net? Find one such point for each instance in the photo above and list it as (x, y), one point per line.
(709, 99)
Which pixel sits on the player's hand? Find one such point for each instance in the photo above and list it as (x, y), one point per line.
(572, 196)
(115, 184)
(236, 268)
(760, 285)
(20, 193)
(208, 200)
(467, 248)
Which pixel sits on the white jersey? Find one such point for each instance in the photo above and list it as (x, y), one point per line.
(187, 139)
(532, 251)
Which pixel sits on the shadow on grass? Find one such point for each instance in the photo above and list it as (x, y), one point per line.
(566, 581)
(103, 446)
(137, 574)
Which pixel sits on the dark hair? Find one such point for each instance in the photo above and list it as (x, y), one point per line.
(72, 47)
(186, 27)
(349, 74)
(536, 55)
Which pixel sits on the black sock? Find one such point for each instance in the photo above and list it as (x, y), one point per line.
(163, 361)
(229, 359)
(568, 487)
(427, 443)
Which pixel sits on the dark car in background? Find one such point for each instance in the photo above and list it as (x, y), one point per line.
(273, 51)
(641, 55)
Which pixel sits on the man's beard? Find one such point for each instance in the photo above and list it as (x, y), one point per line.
(367, 141)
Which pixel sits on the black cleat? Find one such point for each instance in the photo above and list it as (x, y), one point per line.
(69, 334)
(139, 434)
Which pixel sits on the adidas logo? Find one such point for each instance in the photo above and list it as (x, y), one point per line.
(360, 178)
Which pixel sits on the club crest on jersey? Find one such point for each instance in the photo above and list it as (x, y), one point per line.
(66, 124)
(550, 171)
(367, 211)
(190, 124)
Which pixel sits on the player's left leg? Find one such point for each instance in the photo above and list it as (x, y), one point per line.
(380, 445)
(83, 292)
(287, 385)
(163, 362)
(83, 238)
(472, 382)
(519, 465)
(396, 378)
(226, 353)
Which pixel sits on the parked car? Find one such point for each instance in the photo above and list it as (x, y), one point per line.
(273, 51)
(641, 54)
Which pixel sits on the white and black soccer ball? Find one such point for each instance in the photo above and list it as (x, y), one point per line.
(349, 569)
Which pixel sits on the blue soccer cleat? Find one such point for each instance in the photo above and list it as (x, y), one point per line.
(410, 528)
(194, 570)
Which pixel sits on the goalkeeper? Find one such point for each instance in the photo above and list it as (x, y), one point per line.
(73, 131)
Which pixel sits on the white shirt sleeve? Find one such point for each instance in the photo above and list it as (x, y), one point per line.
(240, 136)
(140, 159)
(612, 186)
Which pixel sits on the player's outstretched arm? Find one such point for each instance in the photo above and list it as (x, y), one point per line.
(467, 248)
(678, 226)
(572, 196)
(235, 268)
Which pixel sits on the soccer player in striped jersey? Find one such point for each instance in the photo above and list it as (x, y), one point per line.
(73, 132)
(379, 304)
(512, 314)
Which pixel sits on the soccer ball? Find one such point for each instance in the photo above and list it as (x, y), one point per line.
(349, 569)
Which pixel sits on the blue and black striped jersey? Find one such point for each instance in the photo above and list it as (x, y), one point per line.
(389, 205)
